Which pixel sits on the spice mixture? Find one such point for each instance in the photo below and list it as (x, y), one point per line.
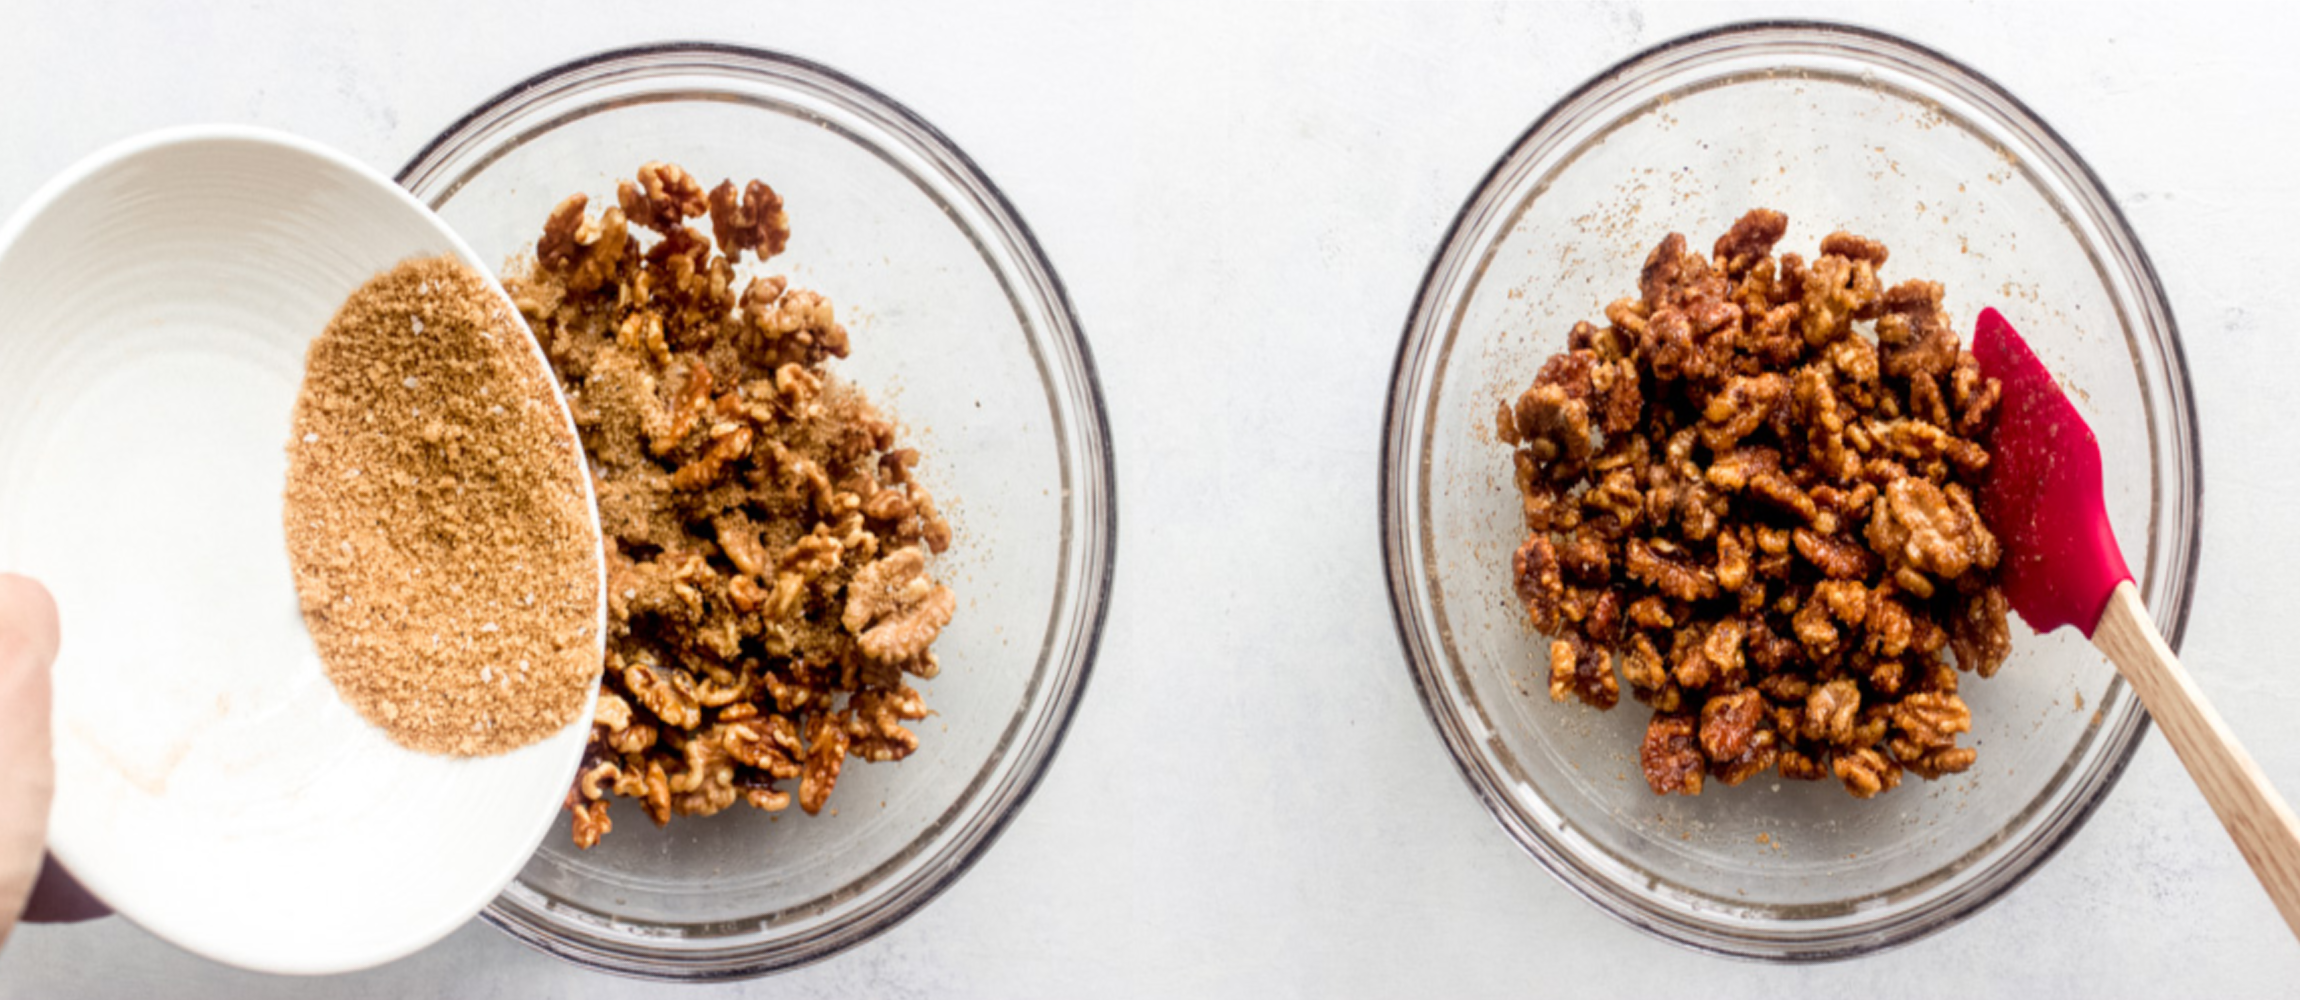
(437, 521)
(767, 557)
(1764, 515)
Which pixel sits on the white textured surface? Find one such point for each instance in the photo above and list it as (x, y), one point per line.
(1242, 203)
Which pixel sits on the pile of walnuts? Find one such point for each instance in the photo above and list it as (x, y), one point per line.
(767, 545)
(1763, 516)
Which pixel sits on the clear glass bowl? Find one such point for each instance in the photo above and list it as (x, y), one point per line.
(1838, 127)
(962, 330)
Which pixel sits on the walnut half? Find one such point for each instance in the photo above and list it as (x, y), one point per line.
(895, 608)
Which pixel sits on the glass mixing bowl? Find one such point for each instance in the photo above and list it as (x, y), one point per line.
(962, 330)
(1839, 128)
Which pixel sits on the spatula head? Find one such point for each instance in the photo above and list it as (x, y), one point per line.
(2042, 491)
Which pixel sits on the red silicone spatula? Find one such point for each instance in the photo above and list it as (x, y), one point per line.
(2061, 566)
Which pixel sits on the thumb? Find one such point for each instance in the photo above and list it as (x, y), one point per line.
(28, 638)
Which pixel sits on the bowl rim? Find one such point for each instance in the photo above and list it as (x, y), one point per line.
(1098, 538)
(1423, 662)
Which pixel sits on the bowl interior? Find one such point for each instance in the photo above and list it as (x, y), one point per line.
(1836, 143)
(951, 341)
(211, 784)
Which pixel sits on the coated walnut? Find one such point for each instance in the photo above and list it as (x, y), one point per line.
(1671, 756)
(1763, 514)
(1981, 635)
(1866, 772)
(1579, 669)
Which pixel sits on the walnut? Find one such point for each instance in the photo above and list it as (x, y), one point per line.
(663, 199)
(1851, 247)
(1980, 634)
(1643, 666)
(705, 783)
(1830, 712)
(595, 780)
(1866, 772)
(588, 251)
(1729, 724)
(728, 442)
(1929, 720)
(1671, 756)
(1919, 525)
(1934, 763)
(633, 738)
(1796, 765)
(1577, 668)
(826, 754)
(1651, 612)
(1723, 649)
(1846, 599)
(613, 712)
(1676, 579)
(1554, 425)
(758, 223)
(1814, 629)
(796, 327)
(889, 504)
(590, 819)
(1836, 289)
(1751, 240)
(1838, 558)
(669, 694)
(1781, 494)
(1733, 567)
(1745, 404)
(896, 608)
(1891, 629)
(874, 723)
(657, 797)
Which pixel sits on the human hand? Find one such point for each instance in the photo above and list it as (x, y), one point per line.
(27, 767)
(28, 641)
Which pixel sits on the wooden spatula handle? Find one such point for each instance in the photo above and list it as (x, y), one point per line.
(2256, 817)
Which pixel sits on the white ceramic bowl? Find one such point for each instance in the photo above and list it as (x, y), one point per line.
(211, 785)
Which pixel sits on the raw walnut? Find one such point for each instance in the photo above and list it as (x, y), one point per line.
(757, 223)
(663, 199)
(589, 251)
(895, 608)
(1763, 514)
(767, 534)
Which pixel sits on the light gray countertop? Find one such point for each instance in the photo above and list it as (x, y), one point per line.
(1242, 202)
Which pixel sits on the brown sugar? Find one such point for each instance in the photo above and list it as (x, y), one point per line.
(437, 519)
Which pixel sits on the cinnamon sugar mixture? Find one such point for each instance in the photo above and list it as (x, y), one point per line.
(437, 520)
